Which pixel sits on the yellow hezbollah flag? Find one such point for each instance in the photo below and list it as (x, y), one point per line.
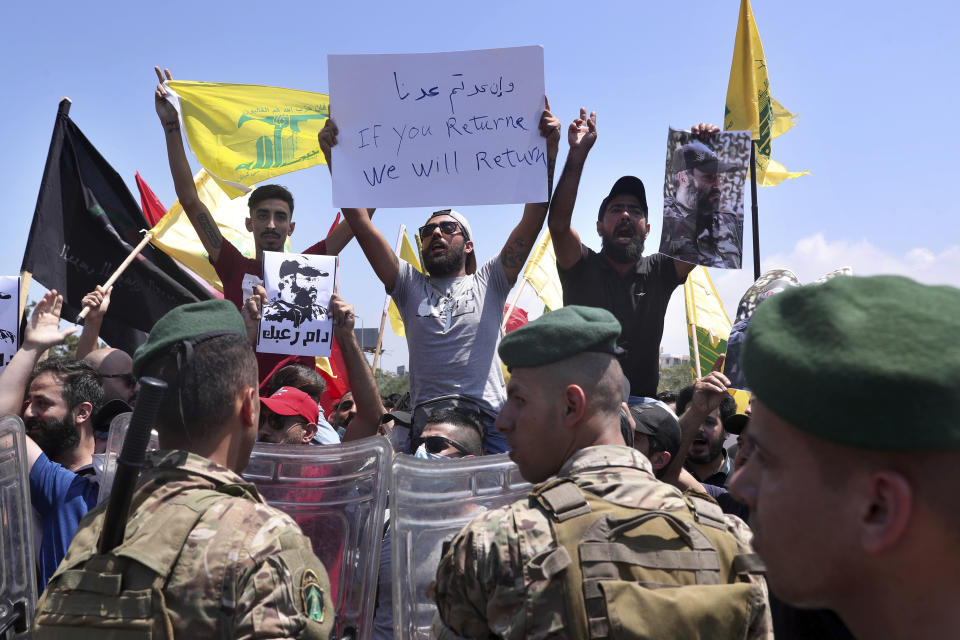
(244, 134)
(707, 322)
(541, 273)
(175, 236)
(408, 253)
(750, 107)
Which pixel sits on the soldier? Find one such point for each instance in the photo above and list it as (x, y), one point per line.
(854, 429)
(518, 572)
(694, 228)
(203, 556)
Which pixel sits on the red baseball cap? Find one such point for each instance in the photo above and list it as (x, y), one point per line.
(288, 401)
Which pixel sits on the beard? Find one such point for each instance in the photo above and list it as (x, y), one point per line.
(55, 436)
(708, 200)
(446, 264)
(713, 452)
(624, 253)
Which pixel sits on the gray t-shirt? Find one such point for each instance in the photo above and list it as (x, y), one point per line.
(453, 329)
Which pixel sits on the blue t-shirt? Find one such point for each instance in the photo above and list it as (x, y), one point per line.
(61, 498)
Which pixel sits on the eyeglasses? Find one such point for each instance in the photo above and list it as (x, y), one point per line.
(447, 227)
(436, 444)
(126, 377)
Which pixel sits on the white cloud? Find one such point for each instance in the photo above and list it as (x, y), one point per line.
(811, 258)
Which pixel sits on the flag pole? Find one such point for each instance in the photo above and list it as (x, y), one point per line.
(376, 353)
(754, 210)
(147, 237)
(689, 298)
(696, 349)
(513, 303)
(386, 302)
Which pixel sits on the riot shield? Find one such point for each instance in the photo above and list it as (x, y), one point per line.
(337, 494)
(430, 502)
(118, 431)
(18, 574)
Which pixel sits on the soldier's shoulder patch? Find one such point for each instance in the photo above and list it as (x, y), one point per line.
(311, 595)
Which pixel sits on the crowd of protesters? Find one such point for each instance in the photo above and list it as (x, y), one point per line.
(847, 377)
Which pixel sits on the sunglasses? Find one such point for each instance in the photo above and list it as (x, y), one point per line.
(436, 444)
(447, 228)
(126, 377)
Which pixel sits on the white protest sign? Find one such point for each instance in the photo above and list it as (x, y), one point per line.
(430, 129)
(9, 317)
(295, 319)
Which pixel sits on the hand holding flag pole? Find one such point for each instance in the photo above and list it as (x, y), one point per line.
(148, 235)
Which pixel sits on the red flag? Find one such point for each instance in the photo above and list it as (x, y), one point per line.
(336, 221)
(338, 385)
(153, 209)
(518, 318)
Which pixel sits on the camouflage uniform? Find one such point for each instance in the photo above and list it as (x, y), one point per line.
(245, 570)
(487, 585)
(718, 245)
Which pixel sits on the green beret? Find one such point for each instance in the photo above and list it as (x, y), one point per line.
(189, 321)
(871, 363)
(561, 334)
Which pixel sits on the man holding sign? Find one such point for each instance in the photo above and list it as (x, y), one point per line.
(270, 222)
(635, 288)
(453, 315)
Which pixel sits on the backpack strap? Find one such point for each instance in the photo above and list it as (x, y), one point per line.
(748, 563)
(561, 498)
(705, 510)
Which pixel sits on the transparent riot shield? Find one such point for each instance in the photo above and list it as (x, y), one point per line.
(118, 431)
(430, 502)
(18, 574)
(337, 494)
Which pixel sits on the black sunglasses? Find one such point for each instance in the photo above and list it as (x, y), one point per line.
(436, 444)
(447, 227)
(126, 377)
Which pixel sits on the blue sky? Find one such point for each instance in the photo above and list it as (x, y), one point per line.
(873, 83)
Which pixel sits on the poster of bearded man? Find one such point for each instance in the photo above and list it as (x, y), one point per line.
(703, 198)
(295, 318)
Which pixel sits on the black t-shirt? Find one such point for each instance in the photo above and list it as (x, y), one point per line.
(638, 299)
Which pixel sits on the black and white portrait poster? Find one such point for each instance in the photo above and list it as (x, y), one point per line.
(703, 198)
(295, 319)
(9, 317)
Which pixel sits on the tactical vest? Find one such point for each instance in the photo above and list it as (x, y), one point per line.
(119, 595)
(640, 573)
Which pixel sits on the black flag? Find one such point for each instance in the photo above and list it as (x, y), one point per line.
(85, 224)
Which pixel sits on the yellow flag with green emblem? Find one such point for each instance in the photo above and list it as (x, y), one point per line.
(244, 134)
(750, 107)
(707, 323)
(541, 273)
(175, 235)
(408, 253)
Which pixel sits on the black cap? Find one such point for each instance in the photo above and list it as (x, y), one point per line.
(292, 266)
(630, 185)
(736, 423)
(659, 423)
(696, 155)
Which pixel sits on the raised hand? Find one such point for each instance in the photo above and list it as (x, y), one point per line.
(704, 130)
(328, 139)
(582, 132)
(550, 125)
(99, 301)
(43, 329)
(251, 312)
(709, 390)
(343, 318)
(165, 110)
